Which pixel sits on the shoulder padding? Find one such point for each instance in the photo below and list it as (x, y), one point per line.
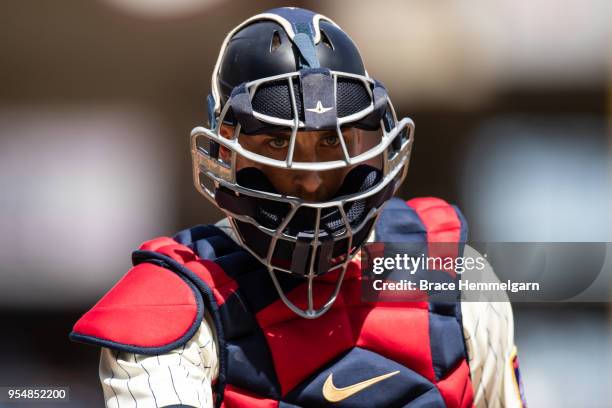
(423, 219)
(154, 308)
(443, 222)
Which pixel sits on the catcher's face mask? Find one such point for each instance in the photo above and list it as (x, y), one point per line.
(285, 233)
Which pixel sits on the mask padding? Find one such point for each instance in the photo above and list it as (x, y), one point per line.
(271, 213)
(357, 180)
(351, 96)
(361, 178)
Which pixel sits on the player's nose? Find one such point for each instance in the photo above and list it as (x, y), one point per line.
(309, 186)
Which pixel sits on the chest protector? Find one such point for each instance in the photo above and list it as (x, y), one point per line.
(358, 354)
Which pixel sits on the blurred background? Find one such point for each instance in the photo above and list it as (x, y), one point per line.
(97, 99)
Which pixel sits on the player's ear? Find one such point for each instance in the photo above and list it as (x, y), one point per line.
(224, 154)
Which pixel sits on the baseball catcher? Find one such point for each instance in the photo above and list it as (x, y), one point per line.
(303, 153)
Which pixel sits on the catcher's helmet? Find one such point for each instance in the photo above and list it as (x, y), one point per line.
(292, 69)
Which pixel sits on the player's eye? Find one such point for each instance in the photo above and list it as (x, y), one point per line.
(278, 142)
(331, 141)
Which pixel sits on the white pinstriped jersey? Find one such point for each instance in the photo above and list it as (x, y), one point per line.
(184, 375)
(181, 376)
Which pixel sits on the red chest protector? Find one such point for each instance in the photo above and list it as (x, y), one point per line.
(358, 354)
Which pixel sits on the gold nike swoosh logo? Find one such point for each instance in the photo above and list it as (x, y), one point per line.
(333, 394)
